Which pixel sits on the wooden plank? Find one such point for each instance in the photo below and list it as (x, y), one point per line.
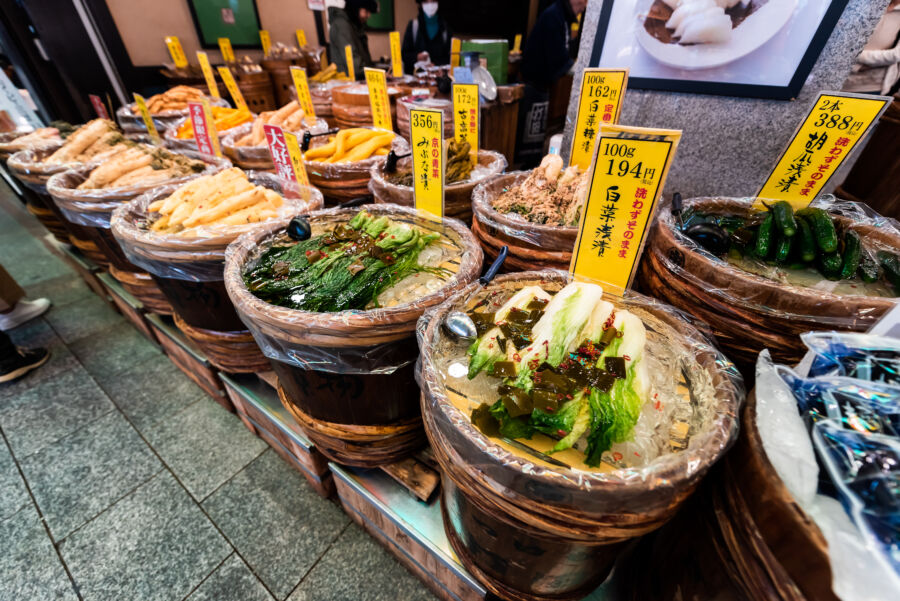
(415, 476)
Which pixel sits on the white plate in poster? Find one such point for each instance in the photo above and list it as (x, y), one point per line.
(753, 32)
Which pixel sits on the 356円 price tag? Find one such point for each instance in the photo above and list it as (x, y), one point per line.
(426, 139)
(600, 103)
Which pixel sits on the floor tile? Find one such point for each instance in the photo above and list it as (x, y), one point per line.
(51, 409)
(153, 545)
(38, 333)
(61, 290)
(14, 495)
(204, 446)
(150, 391)
(82, 474)
(356, 567)
(29, 567)
(275, 521)
(232, 581)
(86, 317)
(121, 347)
(30, 262)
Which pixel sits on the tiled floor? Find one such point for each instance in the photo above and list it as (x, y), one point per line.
(121, 480)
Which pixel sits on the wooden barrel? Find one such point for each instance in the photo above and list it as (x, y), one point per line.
(734, 302)
(279, 70)
(406, 103)
(348, 377)
(256, 87)
(531, 245)
(47, 217)
(457, 197)
(352, 108)
(321, 99)
(257, 157)
(533, 530)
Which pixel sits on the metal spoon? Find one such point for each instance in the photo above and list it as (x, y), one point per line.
(709, 236)
(459, 325)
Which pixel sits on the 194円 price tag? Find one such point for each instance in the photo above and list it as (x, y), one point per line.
(600, 103)
(427, 139)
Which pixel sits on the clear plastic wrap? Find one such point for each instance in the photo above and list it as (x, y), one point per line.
(30, 168)
(258, 157)
(14, 141)
(863, 356)
(130, 119)
(347, 342)
(617, 501)
(407, 103)
(346, 181)
(171, 139)
(198, 254)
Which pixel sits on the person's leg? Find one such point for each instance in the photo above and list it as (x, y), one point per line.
(15, 362)
(15, 309)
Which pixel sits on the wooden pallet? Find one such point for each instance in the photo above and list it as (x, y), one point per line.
(189, 359)
(257, 405)
(131, 308)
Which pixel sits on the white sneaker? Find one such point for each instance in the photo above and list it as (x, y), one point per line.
(25, 310)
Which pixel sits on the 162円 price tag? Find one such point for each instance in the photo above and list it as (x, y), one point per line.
(427, 141)
(834, 126)
(465, 115)
(600, 103)
(626, 180)
(205, 133)
(376, 80)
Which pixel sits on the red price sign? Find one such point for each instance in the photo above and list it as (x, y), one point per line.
(281, 157)
(204, 129)
(99, 107)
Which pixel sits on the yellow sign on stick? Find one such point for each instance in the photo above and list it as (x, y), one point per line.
(233, 89)
(176, 51)
(465, 115)
(301, 85)
(208, 74)
(837, 122)
(600, 103)
(626, 181)
(348, 55)
(226, 50)
(427, 141)
(301, 38)
(148, 120)
(396, 55)
(517, 43)
(297, 161)
(455, 45)
(378, 98)
(266, 40)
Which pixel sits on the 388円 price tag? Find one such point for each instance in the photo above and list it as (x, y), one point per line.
(427, 141)
(348, 55)
(208, 75)
(148, 120)
(630, 168)
(466, 115)
(205, 133)
(233, 89)
(265, 41)
(226, 50)
(301, 86)
(599, 103)
(396, 55)
(376, 80)
(834, 126)
(176, 52)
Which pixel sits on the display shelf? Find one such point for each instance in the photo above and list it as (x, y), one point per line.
(128, 305)
(257, 405)
(189, 359)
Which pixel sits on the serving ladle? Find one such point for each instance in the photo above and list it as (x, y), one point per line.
(457, 324)
(708, 235)
(390, 164)
(307, 137)
(299, 229)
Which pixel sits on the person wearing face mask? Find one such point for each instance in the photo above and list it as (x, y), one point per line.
(347, 27)
(427, 37)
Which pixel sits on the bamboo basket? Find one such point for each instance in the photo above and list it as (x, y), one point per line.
(257, 157)
(532, 530)
(457, 197)
(531, 245)
(348, 377)
(351, 106)
(734, 302)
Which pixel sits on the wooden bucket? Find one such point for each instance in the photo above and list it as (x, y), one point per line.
(406, 103)
(734, 302)
(351, 106)
(364, 409)
(529, 529)
(457, 197)
(532, 246)
(279, 70)
(257, 90)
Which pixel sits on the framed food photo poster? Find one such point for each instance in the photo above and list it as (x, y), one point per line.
(751, 48)
(237, 20)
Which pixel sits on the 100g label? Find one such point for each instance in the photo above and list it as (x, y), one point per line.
(623, 166)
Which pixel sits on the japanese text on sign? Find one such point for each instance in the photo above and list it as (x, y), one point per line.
(836, 123)
(176, 52)
(301, 38)
(600, 103)
(205, 133)
(378, 98)
(348, 55)
(226, 50)
(629, 170)
(301, 85)
(233, 88)
(99, 107)
(426, 136)
(281, 158)
(208, 74)
(465, 115)
(148, 120)
(396, 56)
(265, 41)
(297, 162)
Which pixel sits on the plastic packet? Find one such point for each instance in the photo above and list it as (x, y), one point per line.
(130, 120)
(94, 207)
(358, 342)
(258, 157)
(197, 254)
(862, 356)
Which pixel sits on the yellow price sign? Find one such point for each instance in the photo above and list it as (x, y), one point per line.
(517, 43)
(226, 50)
(301, 85)
(233, 89)
(455, 45)
(176, 51)
(427, 141)
(626, 181)
(348, 55)
(301, 37)
(376, 80)
(837, 122)
(600, 103)
(297, 161)
(396, 55)
(208, 74)
(148, 120)
(466, 115)
(266, 40)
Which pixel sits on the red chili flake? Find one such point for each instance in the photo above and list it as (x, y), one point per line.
(569, 396)
(620, 333)
(626, 357)
(586, 390)
(533, 364)
(617, 456)
(549, 408)
(529, 349)
(562, 432)
(559, 396)
(393, 237)
(490, 346)
(516, 357)
(658, 406)
(636, 454)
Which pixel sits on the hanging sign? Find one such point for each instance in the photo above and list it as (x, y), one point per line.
(176, 52)
(301, 85)
(427, 141)
(208, 74)
(517, 43)
(301, 38)
(205, 133)
(834, 126)
(465, 115)
(396, 55)
(600, 103)
(629, 170)
(376, 80)
(266, 40)
(226, 50)
(148, 120)
(348, 55)
(291, 174)
(99, 107)
(233, 89)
